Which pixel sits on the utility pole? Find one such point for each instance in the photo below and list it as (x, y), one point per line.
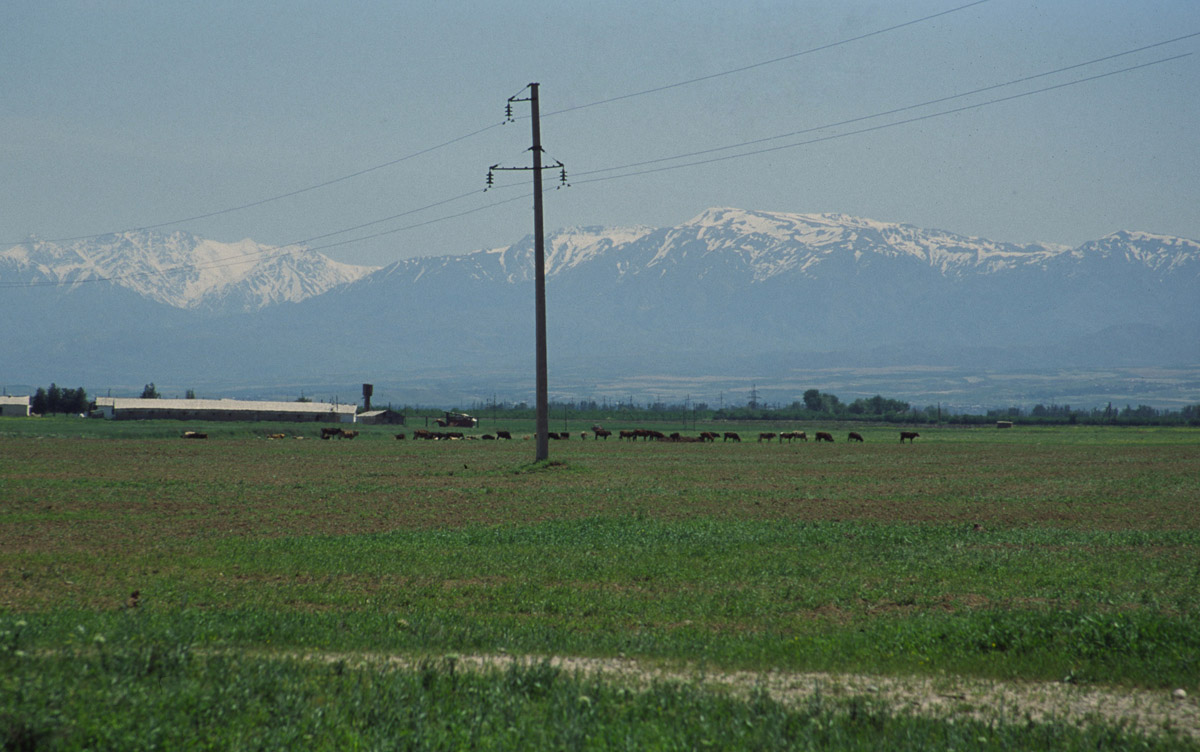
(539, 283)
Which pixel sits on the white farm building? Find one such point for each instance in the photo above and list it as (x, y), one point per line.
(130, 408)
(14, 407)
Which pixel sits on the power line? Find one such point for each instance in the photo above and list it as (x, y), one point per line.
(390, 163)
(885, 113)
(283, 249)
(870, 129)
(233, 260)
(279, 197)
(772, 61)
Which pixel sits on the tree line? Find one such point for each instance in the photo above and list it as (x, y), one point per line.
(816, 405)
(59, 400)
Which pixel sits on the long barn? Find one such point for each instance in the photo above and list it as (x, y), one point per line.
(136, 408)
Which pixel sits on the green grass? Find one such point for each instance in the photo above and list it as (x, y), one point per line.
(1069, 553)
(129, 691)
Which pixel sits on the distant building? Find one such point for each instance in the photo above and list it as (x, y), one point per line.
(11, 407)
(381, 417)
(129, 408)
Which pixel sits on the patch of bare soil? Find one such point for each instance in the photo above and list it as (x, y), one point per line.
(951, 698)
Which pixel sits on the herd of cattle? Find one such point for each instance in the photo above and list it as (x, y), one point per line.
(598, 432)
(645, 434)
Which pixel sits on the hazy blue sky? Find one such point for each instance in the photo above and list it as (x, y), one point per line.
(126, 113)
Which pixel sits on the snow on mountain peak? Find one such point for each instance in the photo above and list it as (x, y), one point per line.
(185, 271)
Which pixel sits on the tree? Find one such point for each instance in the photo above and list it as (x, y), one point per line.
(812, 399)
(190, 394)
(149, 392)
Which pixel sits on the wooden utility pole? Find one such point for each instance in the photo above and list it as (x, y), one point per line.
(539, 282)
(539, 285)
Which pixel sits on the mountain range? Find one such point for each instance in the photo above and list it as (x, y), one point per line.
(746, 294)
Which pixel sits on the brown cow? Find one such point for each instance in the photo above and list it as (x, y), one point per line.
(910, 435)
(824, 436)
(854, 436)
(348, 434)
(631, 435)
(329, 433)
(601, 433)
(400, 436)
(731, 436)
(765, 437)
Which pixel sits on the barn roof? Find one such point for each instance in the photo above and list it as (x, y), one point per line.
(225, 405)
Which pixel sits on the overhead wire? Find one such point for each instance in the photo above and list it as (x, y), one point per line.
(869, 129)
(392, 162)
(303, 244)
(885, 113)
(763, 63)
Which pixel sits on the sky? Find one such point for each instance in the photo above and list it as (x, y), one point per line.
(295, 122)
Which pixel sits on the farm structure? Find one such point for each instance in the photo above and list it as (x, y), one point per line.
(382, 417)
(14, 407)
(118, 408)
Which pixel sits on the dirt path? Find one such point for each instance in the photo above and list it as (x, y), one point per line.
(1148, 711)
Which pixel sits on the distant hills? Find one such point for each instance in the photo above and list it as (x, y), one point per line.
(729, 293)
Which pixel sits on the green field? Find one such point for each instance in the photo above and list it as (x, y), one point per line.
(1064, 554)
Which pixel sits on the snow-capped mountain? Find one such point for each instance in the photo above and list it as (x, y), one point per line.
(181, 270)
(729, 291)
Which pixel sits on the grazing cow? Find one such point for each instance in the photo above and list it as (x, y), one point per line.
(709, 435)
(488, 437)
(824, 436)
(765, 437)
(400, 436)
(504, 435)
(194, 435)
(553, 435)
(329, 433)
(731, 436)
(348, 434)
(656, 435)
(792, 435)
(601, 433)
(854, 436)
(422, 433)
(910, 435)
(631, 435)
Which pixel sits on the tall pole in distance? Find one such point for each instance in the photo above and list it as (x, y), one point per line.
(539, 285)
(539, 248)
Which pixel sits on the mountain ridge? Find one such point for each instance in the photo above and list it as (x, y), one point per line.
(181, 270)
(729, 291)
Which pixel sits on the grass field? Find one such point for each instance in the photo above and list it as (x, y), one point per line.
(1029, 555)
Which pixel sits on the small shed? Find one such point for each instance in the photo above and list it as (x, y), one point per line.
(382, 417)
(14, 407)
